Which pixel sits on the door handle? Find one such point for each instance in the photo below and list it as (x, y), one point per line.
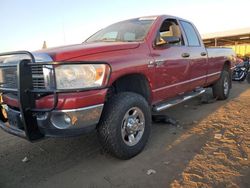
(203, 53)
(185, 55)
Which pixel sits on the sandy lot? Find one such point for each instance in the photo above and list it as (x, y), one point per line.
(209, 148)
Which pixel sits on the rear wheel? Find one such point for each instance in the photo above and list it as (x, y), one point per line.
(221, 88)
(124, 127)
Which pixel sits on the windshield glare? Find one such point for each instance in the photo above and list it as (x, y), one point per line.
(125, 31)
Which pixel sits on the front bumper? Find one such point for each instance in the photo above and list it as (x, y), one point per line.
(57, 123)
(72, 122)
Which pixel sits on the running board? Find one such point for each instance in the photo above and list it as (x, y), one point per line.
(185, 97)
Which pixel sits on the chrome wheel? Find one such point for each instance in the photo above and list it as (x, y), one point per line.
(226, 85)
(133, 125)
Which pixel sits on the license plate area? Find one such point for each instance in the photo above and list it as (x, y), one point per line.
(14, 119)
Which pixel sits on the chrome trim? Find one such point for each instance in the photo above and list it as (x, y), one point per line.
(48, 75)
(80, 109)
(39, 57)
(212, 74)
(80, 117)
(187, 81)
(9, 89)
(159, 62)
(169, 104)
(133, 126)
(48, 70)
(42, 57)
(151, 63)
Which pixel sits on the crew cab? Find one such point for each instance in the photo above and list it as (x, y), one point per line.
(111, 83)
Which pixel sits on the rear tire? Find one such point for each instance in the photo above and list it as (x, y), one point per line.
(124, 127)
(221, 88)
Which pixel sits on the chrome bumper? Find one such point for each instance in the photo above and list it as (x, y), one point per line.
(62, 123)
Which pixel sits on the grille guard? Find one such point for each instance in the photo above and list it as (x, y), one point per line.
(27, 94)
(26, 99)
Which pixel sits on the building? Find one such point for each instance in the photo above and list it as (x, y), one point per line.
(238, 39)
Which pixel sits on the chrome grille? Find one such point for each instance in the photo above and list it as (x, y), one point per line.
(8, 77)
(37, 77)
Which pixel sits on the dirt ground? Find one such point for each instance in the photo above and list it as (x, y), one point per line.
(210, 147)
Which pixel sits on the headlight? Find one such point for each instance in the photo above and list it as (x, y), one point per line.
(80, 76)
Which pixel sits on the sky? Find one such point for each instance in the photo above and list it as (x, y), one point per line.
(25, 24)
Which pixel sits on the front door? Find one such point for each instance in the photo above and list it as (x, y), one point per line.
(172, 68)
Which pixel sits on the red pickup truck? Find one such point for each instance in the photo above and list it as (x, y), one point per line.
(112, 82)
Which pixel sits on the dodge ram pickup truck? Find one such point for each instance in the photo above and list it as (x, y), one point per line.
(111, 83)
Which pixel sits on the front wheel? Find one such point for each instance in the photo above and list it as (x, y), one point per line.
(221, 88)
(124, 127)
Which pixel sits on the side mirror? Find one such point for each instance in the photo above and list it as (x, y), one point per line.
(172, 40)
(168, 40)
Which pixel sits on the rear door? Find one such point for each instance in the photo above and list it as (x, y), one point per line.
(197, 56)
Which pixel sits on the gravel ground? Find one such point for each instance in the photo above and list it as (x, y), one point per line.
(209, 147)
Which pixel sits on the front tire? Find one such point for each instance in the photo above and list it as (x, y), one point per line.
(125, 124)
(221, 88)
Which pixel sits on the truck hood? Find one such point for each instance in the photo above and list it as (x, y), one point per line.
(68, 52)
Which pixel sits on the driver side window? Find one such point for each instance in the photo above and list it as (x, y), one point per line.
(169, 28)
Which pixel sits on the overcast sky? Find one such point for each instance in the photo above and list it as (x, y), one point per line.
(25, 24)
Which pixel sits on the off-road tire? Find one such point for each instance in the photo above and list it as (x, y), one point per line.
(219, 87)
(110, 125)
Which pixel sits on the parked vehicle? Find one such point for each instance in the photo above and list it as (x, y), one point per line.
(111, 82)
(241, 70)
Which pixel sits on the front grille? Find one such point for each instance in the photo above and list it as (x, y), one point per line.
(37, 77)
(8, 77)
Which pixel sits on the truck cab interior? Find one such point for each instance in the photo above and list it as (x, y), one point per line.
(169, 33)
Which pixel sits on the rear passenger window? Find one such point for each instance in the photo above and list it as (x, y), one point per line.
(191, 35)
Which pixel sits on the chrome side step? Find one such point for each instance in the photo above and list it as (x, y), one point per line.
(170, 103)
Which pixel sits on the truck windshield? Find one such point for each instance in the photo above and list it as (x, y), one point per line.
(125, 31)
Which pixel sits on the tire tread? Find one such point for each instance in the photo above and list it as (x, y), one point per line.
(110, 122)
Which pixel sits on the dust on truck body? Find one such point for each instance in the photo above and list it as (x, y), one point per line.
(112, 82)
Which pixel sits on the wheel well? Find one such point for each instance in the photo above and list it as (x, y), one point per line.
(136, 83)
